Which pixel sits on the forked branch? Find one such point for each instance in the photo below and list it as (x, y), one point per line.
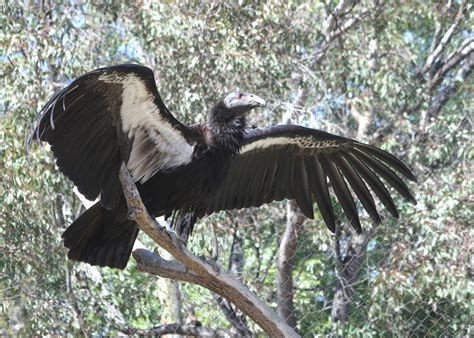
(192, 269)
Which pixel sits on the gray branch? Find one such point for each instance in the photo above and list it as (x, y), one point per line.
(453, 60)
(194, 269)
(443, 43)
(347, 272)
(236, 261)
(286, 257)
(436, 37)
(332, 32)
(193, 330)
(440, 100)
(239, 325)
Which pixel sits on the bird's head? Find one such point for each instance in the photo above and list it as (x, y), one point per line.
(229, 114)
(235, 106)
(240, 103)
(227, 119)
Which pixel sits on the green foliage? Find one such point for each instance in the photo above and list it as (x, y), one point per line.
(416, 277)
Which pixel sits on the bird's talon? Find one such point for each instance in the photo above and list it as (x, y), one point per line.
(131, 215)
(211, 262)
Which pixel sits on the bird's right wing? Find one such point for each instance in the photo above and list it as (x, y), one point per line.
(298, 163)
(106, 117)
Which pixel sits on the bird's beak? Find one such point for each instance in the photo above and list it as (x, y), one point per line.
(256, 101)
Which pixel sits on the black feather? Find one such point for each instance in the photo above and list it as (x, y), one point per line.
(301, 187)
(319, 187)
(359, 187)
(374, 182)
(269, 177)
(263, 163)
(227, 200)
(284, 176)
(342, 192)
(388, 175)
(388, 158)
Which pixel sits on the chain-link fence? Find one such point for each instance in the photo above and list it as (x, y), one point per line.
(393, 75)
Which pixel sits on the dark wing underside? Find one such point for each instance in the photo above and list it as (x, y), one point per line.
(300, 163)
(107, 116)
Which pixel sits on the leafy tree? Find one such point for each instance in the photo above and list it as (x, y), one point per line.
(393, 74)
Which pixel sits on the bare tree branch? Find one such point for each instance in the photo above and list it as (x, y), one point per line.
(153, 263)
(239, 325)
(348, 269)
(446, 93)
(332, 34)
(236, 260)
(70, 294)
(436, 37)
(203, 273)
(453, 60)
(169, 296)
(333, 16)
(286, 257)
(193, 330)
(443, 43)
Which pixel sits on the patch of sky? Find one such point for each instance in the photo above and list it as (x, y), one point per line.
(466, 34)
(374, 273)
(408, 36)
(371, 245)
(330, 102)
(131, 48)
(78, 20)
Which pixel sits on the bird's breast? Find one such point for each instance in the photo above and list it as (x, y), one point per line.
(186, 186)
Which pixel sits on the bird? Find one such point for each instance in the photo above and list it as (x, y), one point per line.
(115, 115)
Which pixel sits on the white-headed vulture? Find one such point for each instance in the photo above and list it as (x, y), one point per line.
(115, 114)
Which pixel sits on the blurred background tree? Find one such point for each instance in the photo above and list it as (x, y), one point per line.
(394, 74)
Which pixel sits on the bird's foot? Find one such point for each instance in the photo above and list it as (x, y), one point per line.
(212, 263)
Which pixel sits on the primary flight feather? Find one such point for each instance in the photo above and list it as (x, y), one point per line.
(115, 115)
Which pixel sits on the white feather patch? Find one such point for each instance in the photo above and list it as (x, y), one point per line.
(156, 144)
(304, 142)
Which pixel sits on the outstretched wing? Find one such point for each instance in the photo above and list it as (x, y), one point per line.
(296, 162)
(107, 116)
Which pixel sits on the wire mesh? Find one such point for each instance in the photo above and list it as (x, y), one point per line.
(408, 277)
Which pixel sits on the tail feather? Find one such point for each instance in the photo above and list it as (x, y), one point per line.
(101, 237)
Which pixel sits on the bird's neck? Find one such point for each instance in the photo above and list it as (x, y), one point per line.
(227, 134)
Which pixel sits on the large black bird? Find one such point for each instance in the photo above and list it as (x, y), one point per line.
(115, 114)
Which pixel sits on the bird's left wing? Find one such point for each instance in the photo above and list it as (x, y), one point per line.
(106, 117)
(298, 163)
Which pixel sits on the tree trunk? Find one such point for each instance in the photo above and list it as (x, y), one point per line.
(286, 257)
(348, 265)
(170, 298)
(348, 268)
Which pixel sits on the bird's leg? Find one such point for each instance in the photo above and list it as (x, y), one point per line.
(212, 263)
(176, 241)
